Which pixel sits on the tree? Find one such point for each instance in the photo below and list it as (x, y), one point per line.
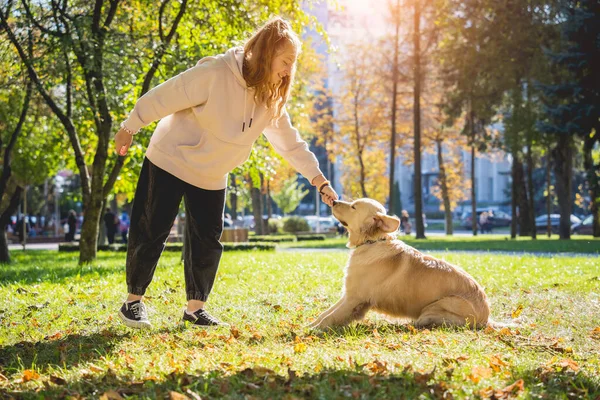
(93, 40)
(289, 198)
(361, 117)
(13, 113)
(448, 143)
(572, 103)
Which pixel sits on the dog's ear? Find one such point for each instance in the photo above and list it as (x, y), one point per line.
(387, 223)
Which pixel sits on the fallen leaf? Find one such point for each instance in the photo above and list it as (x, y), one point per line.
(235, 332)
(496, 363)
(567, 363)
(194, 395)
(505, 332)
(95, 368)
(299, 347)
(423, 378)
(377, 367)
(477, 373)
(517, 312)
(57, 380)
(177, 396)
(111, 395)
(510, 391)
(30, 375)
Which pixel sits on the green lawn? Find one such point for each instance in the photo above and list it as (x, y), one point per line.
(60, 337)
(577, 244)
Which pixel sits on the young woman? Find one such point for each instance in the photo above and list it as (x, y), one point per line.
(210, 116)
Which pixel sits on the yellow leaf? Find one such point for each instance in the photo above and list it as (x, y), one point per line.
(30, 375)
(299, 348)
(477, 373)
(95, 368)
(505, 332)
(111, 395)
(177, 396)
(496, 363)
(518, 311)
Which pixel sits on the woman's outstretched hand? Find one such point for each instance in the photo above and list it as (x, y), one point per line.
(123, 141)
(328, 195)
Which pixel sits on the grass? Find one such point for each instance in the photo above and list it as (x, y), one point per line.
(59, 334)
(543, 244)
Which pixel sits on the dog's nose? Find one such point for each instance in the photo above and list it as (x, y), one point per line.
(335, 202)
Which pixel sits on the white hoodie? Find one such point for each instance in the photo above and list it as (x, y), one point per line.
(210, 122)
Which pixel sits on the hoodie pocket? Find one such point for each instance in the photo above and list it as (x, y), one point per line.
(212, 156)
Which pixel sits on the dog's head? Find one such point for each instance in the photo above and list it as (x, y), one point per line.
(365, 220)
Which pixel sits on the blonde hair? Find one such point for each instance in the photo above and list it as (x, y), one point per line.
(259, 52)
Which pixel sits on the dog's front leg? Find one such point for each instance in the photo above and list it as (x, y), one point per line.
(326, 313)
(349, 310)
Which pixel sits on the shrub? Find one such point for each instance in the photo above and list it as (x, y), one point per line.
(310, 237)
(275, 225)
(295, 224)
(272, 239)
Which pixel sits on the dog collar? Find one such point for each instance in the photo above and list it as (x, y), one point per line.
(371, 242)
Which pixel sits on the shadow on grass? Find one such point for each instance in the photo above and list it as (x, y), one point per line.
(372, 381)
(67, 351)
(507, 245)
(495, 243)
(48, 266)
(257, 382)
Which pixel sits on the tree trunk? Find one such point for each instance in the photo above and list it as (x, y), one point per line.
(563, 170)
(12, 207)
(257, 210)
(268, 200)
(530, 188)
(514, 196)
(522, 201)
(444, 186)
(548, 192)
(420, 228)
(473, 194)
(592, 178)
(233, 198)
(392, 194)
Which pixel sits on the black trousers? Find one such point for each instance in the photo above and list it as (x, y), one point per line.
(155, 206)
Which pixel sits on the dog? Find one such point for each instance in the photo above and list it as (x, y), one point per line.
(386, 275)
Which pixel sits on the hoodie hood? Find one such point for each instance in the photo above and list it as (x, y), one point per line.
(234, 58)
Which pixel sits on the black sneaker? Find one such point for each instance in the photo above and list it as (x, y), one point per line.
(134, 315)
(202, 318)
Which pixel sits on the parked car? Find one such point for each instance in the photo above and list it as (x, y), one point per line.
(541, 222)
(326, 224)
(585, 227)
(499, 218)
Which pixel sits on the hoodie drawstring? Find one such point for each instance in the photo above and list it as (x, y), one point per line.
(245, 99)
(253, 109)
(252, 116)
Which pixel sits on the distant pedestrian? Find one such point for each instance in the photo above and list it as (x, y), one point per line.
(110, 222)
(124, 226)
(405, 225)
(71, 226)
(483, 221)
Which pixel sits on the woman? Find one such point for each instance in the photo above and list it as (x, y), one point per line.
(211, 115)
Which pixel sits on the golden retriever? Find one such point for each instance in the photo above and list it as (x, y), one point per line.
(386, 275)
